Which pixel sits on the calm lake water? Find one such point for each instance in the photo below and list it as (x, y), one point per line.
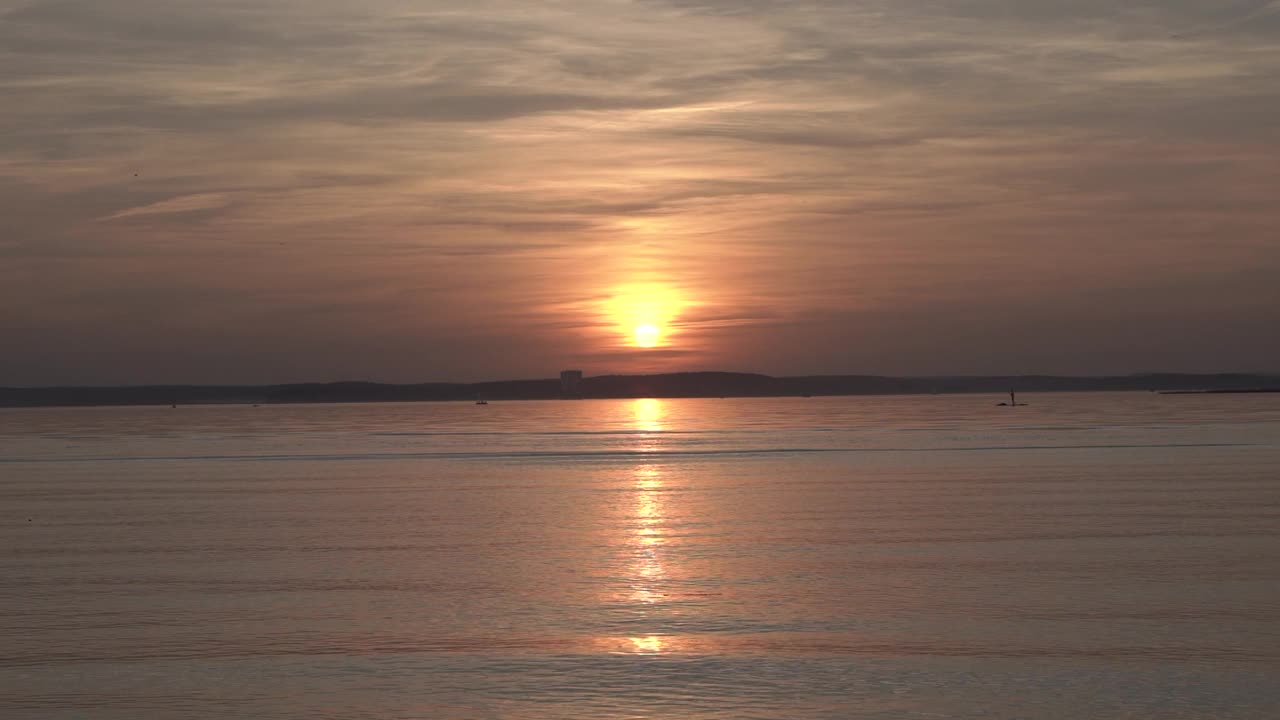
(1087, 556)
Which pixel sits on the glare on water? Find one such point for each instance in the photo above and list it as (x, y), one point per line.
(1084, 556)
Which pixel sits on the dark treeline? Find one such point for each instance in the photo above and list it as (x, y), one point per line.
(695, 384)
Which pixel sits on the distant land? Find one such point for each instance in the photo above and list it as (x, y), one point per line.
(672, 385)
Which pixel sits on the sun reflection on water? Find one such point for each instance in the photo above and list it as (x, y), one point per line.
(647, 529)
(648, 645)
(647, 415)
(646, 581)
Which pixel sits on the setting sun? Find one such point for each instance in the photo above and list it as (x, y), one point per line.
(644, 314)
(647, 335)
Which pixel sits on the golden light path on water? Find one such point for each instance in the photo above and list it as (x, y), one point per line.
(647, 572)
(647, 414)
(646, 569)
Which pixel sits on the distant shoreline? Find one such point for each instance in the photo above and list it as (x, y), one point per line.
(670, 385)
(1222, 392)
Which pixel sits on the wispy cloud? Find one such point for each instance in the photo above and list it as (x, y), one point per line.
(186, 203)
(490, 170)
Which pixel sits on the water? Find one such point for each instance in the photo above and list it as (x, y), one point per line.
(1099, 555)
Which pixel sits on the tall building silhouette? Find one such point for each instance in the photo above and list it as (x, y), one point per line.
(570, 383)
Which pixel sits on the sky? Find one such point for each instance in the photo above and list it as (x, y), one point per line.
(262, 191)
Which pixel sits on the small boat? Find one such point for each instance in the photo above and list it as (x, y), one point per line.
(1013, 401)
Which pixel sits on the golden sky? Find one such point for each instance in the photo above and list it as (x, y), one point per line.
(406, 190)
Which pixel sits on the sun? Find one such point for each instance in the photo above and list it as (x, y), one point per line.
(647, 335)
(645, 314)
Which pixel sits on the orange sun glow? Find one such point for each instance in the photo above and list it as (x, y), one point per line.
(647, 335)
(645, 314)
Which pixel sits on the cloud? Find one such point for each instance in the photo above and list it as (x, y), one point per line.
(423, 170)
(1236, 17)
(183, 204)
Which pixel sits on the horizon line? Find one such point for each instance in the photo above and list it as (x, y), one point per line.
(1138, 374)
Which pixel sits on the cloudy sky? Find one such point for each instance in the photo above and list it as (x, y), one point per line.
(223, 191)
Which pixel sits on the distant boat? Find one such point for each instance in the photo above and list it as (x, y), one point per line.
(481, 401)
(1013, 401)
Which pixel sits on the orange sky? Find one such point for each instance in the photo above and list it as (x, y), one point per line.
(405, 190)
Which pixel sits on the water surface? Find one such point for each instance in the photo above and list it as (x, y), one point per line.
(1091, 555)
